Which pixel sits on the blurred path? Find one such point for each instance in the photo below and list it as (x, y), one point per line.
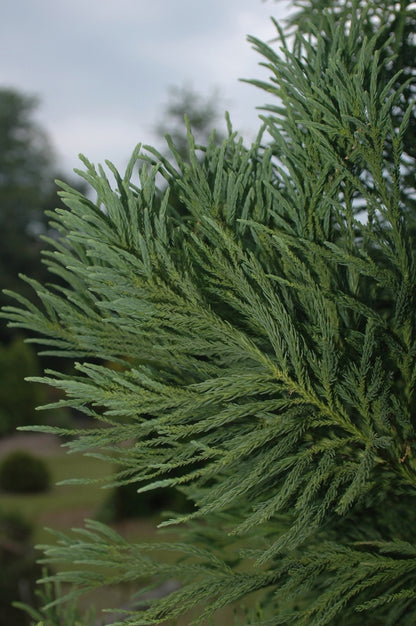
(37, 443)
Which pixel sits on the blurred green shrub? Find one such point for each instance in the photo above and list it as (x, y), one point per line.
(22, 472)
(18, 568)
(18, 399)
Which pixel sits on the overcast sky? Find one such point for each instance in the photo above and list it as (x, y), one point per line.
(102, 68)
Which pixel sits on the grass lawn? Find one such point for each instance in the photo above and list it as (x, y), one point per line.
(64, 504)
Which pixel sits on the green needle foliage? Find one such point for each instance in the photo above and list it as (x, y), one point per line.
(264, 336)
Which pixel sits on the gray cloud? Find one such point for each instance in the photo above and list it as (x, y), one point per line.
(102, 69)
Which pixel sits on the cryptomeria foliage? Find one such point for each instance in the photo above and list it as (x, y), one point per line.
(264, 336)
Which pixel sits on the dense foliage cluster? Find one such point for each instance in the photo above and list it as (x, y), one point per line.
(254, 345)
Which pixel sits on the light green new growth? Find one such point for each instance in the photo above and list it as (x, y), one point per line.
(259, 304)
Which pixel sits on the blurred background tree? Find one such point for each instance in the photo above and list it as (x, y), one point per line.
(28, 169)
(27, 172)
(203, 113)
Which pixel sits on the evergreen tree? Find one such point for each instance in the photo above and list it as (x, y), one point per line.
(27, 172)
(203, 114)
(266, 347)
(26, 188)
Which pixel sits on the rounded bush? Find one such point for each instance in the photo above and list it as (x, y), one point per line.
(22, 472)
